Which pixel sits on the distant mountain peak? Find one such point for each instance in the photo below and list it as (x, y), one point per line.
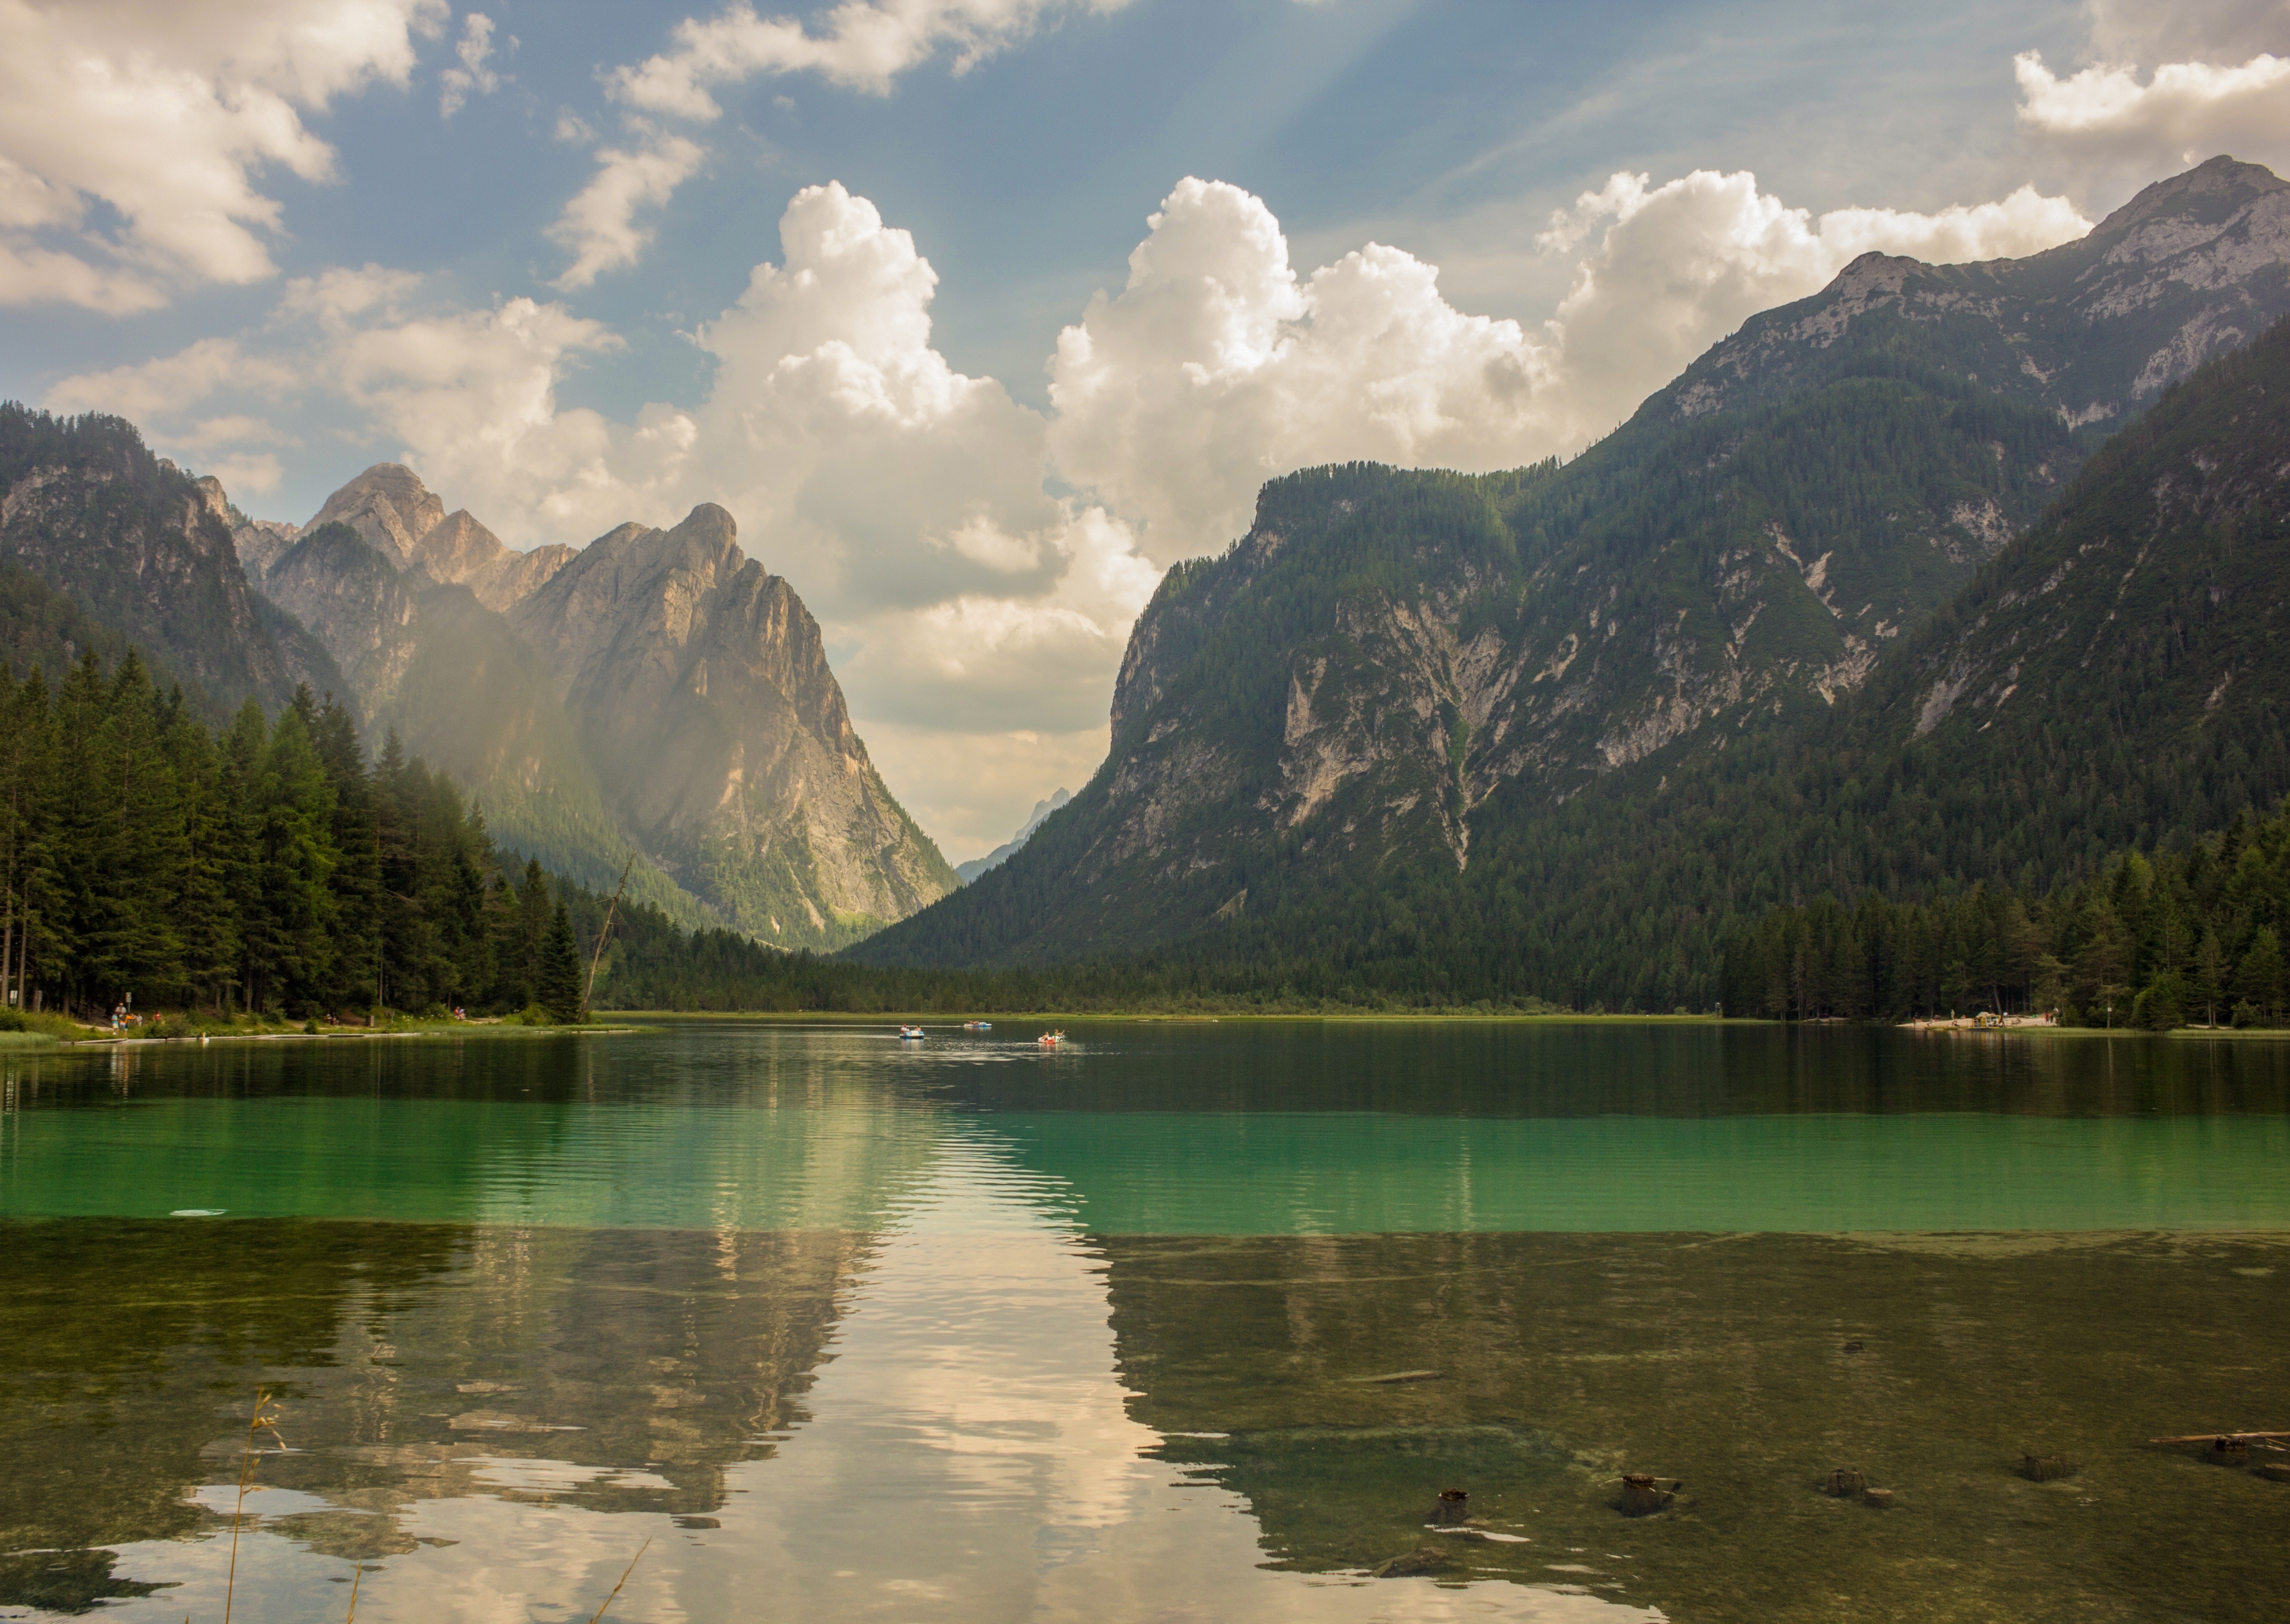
(969, 872)
(2194, 266)
(699, 686)
(404, 520)
(388, 507)
(2222, 179)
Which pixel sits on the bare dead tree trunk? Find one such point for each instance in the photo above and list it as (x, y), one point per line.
(603, 932)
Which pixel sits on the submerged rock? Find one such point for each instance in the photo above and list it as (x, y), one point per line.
(1643, 1494)
(1411, 1564)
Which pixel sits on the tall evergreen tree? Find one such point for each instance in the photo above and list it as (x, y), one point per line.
(560, 968)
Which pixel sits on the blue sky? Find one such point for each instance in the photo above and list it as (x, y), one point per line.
(251, 225)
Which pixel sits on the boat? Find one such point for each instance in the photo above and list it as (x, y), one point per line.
(978, 1026)
(911, 1034)
(1052, 1040)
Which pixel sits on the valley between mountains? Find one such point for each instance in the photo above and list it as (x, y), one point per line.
(1948, 575)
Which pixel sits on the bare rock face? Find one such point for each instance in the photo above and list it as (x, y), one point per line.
(390, 509)
(700, 688)
(459, 551)
(402, 519)
(355, 601)
(261, 543)
(688, 709)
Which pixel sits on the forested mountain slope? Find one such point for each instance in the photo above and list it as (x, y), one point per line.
(2113, 678)
(1385, 650)
(145, 551)
(1354, 686)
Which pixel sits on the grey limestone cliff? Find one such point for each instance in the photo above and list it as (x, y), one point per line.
(700, 689)
(2191, 267)
(401, 518)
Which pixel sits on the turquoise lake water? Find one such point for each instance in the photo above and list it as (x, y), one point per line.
(1187, 1320)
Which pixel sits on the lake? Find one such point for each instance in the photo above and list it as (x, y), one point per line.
(1186, 1321)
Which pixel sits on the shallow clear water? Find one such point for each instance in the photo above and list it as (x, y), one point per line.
(976, 1332)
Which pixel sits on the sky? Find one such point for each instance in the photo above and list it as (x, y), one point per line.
(977, 314)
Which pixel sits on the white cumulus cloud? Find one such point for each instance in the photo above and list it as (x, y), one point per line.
(165, 114)
(2159, 88)
(864, 45)
(2187, 31)
(600, 225)
(2114, 120)
(1218, 366)
(475, 74)
(861, 45)
(151, 392)
(1665, 271)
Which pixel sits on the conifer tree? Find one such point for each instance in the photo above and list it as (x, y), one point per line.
(560, 969)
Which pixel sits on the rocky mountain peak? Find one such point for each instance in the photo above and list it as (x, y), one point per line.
(2091, 330)
(456, 546)
(2220, 186)
(213, 497)
(388, 507)
(401, 518)
(707, 544)
(700, 688)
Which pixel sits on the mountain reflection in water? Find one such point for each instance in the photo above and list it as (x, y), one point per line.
(850, 1333)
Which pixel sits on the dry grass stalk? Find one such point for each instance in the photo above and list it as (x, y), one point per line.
(263, 1416)
(631, 1568)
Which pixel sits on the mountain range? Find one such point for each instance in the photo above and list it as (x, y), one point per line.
(1551, 730)
(1945, 575)
(656, 701)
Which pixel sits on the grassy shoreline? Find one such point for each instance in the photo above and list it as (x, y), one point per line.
(56, 1032)
(939, 1018)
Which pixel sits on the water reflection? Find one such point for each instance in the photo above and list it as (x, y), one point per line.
(922, 1423)
(969, 1333)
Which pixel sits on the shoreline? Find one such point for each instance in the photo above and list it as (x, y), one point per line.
(96, 1039)
(1157, 1017)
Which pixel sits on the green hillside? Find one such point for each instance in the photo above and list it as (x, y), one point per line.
(1720, 545)
(2112, 679)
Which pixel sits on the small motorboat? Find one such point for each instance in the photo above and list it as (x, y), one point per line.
(911, 1034)
(978, 1026)
(1052, 1040)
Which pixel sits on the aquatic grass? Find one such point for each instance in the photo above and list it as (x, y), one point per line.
(625, 1571)
(263, 1418)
